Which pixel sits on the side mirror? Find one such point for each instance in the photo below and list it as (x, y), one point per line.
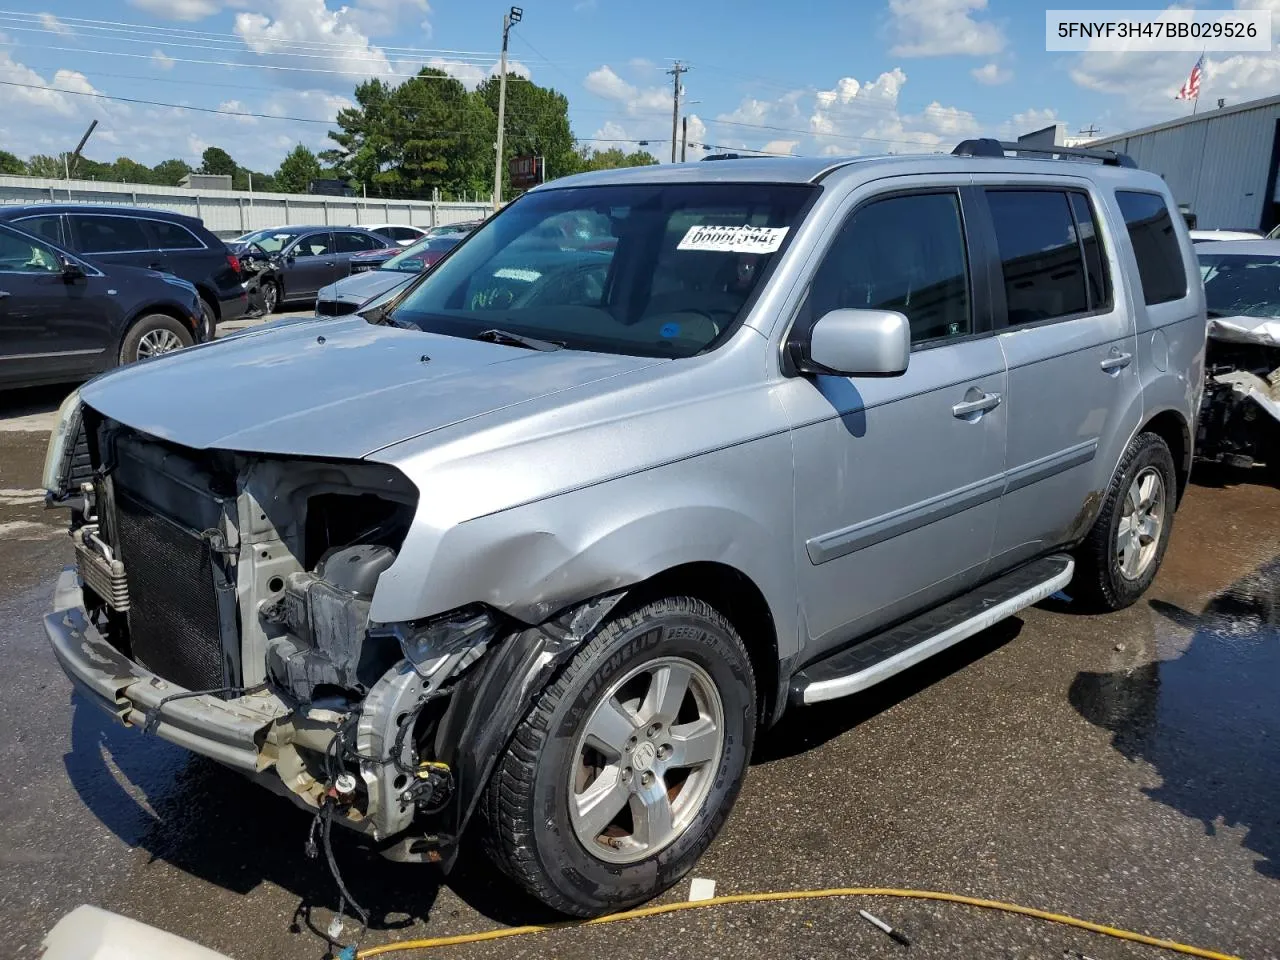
(289, 260)
(853, 343)
(71, 270)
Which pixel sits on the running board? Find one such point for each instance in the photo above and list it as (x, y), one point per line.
(866, 663)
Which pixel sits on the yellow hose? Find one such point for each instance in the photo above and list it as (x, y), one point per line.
(655, 911)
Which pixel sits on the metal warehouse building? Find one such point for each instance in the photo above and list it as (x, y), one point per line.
(1220, 164)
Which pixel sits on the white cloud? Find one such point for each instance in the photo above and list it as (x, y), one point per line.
(991, 74)
(54, 25)
(780, 146)
(178, 9)
(605, 83)
(382, 17)
(162, 60)
(932, 28)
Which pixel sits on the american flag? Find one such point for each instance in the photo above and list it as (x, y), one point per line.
(1191, 89)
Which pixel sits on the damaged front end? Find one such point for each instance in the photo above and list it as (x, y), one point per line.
(222, 601)
(1239, 422)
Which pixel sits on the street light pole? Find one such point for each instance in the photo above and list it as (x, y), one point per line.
(508, 19)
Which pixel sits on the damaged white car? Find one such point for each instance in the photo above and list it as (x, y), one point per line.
(1240, 416)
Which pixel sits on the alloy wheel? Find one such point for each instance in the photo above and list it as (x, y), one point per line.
(157, 342)
(1141, 522)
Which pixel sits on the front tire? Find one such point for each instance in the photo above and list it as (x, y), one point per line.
(1123, 551)
(153, 335)
(270, 297)
(626, 767)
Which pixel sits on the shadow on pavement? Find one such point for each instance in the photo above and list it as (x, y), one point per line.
(28, 401)
(1206, 720)
(212, 823)
(804, 728)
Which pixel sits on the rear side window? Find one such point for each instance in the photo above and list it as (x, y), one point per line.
(902, 253)
(400, 233)
(355, 242)
(174, 236)
(109, 234)
(1044, 275)
(1155, 246)
(49, 227)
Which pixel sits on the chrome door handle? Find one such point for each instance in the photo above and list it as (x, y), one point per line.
(1116, 361)
(988, 401)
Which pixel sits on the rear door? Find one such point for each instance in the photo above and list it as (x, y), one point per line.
(49, 327)
(114, 238)
(897, 479)
(309, 265)
(1067, 332)
(182, 252)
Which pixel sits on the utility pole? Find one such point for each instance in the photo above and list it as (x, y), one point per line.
(1089, 131)
(684, 137)
(69, 165)
(675, 72)
(508, 19)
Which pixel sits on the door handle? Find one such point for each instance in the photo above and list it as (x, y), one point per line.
(1117, 361)
(156, 266)
(983, 403)
(3, 294)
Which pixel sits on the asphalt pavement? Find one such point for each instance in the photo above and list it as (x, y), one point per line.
(1123, 769)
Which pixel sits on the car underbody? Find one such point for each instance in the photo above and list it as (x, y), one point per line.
(222, 601)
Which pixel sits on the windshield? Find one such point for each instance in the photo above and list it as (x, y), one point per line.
(1241, 284)
(424, 253)
(644, 269)
(272, 241)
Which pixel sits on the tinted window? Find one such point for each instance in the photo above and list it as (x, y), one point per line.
(901, 253)
(1155, 246)
(49, 227)
(1095, 264)
(1241, 284)
(20, 255)
(173, 236)
(314, 245)
(109, 234)
(356, 243)
(401, 233)
(1039, 254)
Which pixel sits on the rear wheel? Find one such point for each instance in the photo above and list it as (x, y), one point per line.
(208, 320)
(153, 335)
(625, 769)
(1123, 552)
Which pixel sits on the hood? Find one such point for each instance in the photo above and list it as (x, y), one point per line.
(334, 388)
(1245, 329)
(360, 287)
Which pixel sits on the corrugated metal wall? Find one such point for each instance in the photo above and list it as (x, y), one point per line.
(229, 213)
(1218, 165)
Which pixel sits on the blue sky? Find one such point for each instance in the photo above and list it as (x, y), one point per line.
(858, 76)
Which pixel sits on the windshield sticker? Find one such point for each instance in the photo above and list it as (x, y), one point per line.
(517, 273)
(670, 330)
(743, 239)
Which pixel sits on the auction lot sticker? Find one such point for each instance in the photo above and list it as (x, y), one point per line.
(744, 239)
(1157, 30)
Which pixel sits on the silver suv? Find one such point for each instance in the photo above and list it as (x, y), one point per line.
(549, 536)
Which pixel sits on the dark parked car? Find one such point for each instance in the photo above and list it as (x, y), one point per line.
(428, 250)
(151, 239)
(293, 263)
(64, 317)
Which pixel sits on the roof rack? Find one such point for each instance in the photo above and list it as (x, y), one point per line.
(990, 147)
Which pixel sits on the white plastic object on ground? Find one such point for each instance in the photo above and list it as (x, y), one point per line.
(91, 933)
(700, 888)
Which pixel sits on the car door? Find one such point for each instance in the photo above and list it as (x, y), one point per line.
(181, 252)
(897, 479)
(308, 264)
(1069, 342)
(115, 238)
(51, 325)
(348, 243)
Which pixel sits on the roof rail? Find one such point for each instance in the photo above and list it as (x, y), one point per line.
(990, 147)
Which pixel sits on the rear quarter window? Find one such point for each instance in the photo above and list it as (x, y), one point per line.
(174, 236)
(1155, 245)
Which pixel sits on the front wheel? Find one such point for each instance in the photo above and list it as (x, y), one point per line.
(153, 335)
(626, 767)
(1123, 551)
(270, 296)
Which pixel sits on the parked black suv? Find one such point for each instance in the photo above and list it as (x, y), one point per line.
(153, 239)
(65, 318)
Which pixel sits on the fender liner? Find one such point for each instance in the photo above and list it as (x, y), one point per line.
(491, 700)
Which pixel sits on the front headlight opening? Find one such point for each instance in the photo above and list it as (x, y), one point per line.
(62, 441)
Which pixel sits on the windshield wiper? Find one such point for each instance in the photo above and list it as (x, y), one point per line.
(510, 339)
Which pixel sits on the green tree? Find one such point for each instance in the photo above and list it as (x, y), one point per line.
(43, 165)
(217, 161)
(297, 170)
(428, 133)
(246, 179)
(10, 163)
(169, 172)
(130, 171)
(613, 158)
(537, 125)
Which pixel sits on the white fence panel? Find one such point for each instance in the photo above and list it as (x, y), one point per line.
(230, 213)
